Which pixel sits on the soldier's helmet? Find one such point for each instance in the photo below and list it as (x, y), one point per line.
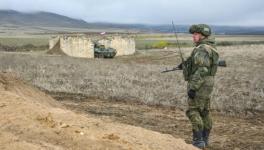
(200, 28)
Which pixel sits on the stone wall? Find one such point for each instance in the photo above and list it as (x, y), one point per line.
(77, 46)
(83, 46)
(123, 46)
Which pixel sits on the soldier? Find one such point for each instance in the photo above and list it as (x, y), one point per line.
(199, 71)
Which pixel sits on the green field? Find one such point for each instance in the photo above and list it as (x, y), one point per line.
(161, 41)
(21, 44)
(20, 41)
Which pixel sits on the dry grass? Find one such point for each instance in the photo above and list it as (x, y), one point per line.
(239, 87)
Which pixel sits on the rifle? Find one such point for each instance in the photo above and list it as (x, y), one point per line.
(221, 63)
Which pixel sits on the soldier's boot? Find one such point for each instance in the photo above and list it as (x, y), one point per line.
(206, 133)
(198, 139)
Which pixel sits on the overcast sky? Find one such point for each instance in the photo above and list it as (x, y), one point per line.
(218, 12)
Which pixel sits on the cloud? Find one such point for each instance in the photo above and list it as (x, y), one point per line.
(228, 12)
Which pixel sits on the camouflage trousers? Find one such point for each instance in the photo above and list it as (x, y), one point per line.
(198, 110)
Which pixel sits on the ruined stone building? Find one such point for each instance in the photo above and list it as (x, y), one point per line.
(83, 45)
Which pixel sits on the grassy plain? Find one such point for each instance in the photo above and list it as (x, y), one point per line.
(156, 41)
(131, 89)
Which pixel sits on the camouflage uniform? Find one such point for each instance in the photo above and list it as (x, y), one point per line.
(199, 70)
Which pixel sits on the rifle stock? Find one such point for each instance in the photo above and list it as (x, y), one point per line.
(222, 63)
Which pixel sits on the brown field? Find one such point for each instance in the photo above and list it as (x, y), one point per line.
(131, 89)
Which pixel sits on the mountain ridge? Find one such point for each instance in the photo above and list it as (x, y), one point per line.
(49, 19)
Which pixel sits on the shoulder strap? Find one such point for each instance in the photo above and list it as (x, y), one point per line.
(208, 48)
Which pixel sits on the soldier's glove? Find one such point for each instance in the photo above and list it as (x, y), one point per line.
(191, 94)
(179, 66)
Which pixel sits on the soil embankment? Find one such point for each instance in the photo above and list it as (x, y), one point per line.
(30, 119)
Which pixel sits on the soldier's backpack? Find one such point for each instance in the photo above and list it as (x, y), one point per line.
(214, 56)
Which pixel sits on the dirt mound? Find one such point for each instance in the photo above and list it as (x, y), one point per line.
(56, 50)
(31, 119)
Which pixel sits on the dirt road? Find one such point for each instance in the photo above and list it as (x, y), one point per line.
(229, 133)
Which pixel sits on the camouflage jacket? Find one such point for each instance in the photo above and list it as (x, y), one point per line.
(201, 64)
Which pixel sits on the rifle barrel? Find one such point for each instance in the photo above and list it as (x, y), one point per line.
(169, 70)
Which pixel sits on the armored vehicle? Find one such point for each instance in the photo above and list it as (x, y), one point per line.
(100, 51)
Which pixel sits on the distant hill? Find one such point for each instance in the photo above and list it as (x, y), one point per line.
(47, 19)
(12, 17)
